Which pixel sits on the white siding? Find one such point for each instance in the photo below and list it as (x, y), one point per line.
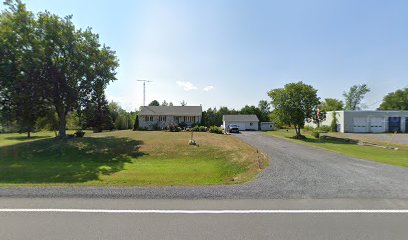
(242, 125)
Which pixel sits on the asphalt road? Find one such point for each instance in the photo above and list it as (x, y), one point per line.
(296, 171)
(116, 225)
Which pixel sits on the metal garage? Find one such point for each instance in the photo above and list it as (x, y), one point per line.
(368, 121)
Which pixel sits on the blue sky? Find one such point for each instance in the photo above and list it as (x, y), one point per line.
(230, 53)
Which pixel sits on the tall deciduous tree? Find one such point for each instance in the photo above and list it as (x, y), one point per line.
(331, 104)
(20, 65)
(397, 100)
(294, 103)
(354, 96)
(77, 68)
(46, 62)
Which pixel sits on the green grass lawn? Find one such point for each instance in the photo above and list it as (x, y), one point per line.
(350, 148)
(126, 158)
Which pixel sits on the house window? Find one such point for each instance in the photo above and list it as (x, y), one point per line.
(251, 124)
(162, 118)
(189, 119)
(149, 118)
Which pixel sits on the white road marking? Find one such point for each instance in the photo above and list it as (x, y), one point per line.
(55, 210)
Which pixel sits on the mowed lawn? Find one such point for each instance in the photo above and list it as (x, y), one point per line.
(127, 158)
(350, 148)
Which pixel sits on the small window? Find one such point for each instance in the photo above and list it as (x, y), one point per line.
(162, 118)
(251, 124)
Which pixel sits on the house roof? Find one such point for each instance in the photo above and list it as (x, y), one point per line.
(240, 118)
(171, 110)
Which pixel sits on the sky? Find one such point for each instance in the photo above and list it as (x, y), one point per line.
(232, 52)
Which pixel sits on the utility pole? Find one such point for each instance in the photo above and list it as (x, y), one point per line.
(144, 90)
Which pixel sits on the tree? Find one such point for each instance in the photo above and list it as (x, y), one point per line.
(47, 64)
(183, 103)
(154, 103)
(121, 118)
(333, 124)
(262, 111)
(21, 98)
(318, 116)
(397, 100)
(97, 115)
(331, 104)
(164, 103)
(265, 108)
(294, 103)
(171, 104)
(354, 96)
(136, 125)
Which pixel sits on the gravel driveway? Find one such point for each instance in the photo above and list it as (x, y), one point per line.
(296, 171)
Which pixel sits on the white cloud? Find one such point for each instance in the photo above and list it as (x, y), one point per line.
(208, 88)
(187, 86)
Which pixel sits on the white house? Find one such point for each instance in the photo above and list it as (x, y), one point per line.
(164, 116)
(368, 121)
(244, 122)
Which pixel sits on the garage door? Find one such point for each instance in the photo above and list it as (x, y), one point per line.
(377, 124)
(241, 125)
(406, 125)
(394, 124)
(360, 124)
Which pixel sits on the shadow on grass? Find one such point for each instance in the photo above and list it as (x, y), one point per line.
(65, 160)
(326, 139)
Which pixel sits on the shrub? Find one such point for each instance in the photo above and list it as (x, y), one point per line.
(174, 128)
(79, 133)
(324, 128)
(155, 126)
(308, 128)
(182, 125)
(316, 134)
(215, 129)
(198, 128)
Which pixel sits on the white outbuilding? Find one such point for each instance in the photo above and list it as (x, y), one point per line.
(244, 122)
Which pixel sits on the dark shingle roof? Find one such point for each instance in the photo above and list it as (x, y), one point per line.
(171, 110)
(240, 118)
